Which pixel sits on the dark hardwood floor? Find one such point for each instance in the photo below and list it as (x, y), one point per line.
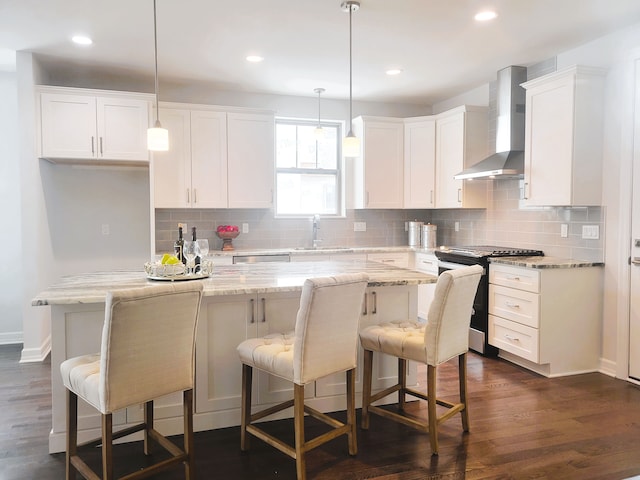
(522, 426)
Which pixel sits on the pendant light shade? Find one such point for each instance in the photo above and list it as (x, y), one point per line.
(319, 132)
(350, 143)
(157, 137)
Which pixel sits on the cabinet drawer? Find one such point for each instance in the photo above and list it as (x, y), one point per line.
(396, 259)
(521, 278)
(517, 305)
(514, 338)
(426, 263)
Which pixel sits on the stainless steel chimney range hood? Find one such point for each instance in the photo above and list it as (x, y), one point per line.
(508, 162)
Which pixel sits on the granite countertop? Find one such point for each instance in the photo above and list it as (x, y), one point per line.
(544, 262)
(229, 280)
(317, 251)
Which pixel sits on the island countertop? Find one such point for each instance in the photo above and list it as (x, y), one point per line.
(229, 280)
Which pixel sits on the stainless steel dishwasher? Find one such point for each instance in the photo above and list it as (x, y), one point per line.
(280, 257)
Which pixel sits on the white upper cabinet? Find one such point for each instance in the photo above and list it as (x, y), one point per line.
(90, 125)
(419, 162)
(378, 174)
(193, 173)
(251, 160)
(461, 141)
(216, 159)
(563, 138)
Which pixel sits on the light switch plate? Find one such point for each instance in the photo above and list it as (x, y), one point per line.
(564, 230)
(245, 228)
(359, 226)
(591, 232)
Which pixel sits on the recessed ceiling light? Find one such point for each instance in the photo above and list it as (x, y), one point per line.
(81, 40)
(254, 58)
(485, 16)
(394, 71)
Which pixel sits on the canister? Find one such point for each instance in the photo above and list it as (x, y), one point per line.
(429, 235)
(414, 233)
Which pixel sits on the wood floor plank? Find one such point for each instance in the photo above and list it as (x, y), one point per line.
(523, 426)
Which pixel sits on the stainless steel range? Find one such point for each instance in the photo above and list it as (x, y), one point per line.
(457, 257)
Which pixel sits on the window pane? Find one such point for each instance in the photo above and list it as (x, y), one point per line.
(285, 146)
(306, 147)
(306, 194)
(328, 149)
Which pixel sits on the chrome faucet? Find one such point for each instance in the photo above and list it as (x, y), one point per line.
(316, 227)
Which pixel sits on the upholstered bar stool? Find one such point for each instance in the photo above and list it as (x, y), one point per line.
(325, 341)
(147, 351)
(444, 336)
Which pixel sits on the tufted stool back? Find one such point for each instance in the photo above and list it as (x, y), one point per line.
(446, 334)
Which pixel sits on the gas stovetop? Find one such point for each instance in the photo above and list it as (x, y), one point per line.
(480, 251)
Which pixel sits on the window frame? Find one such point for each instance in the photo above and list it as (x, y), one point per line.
(338, 172)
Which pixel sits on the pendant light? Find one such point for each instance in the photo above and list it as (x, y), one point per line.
(157, 137)
(318, 132)
(350, 143)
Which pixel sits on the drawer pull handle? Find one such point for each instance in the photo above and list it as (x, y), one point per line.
(264, 310)
(364, 312)
(375, 303)
(512, 305)
(514, 278)
(510, 338)
(253, 318)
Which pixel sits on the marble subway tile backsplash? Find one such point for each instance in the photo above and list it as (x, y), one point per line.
(505, 223)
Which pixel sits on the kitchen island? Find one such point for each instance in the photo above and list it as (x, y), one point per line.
(240, 301)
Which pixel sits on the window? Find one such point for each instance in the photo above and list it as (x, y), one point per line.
(308, 175)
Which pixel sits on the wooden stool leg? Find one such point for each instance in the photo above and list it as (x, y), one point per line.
(402, 381)
(431, 408)
(72, 433)
(107, 447)
(187, 404)
(366, 388)
(351, 411)
(148, 425)
(298, 421)
(462, 379)
(245, 415)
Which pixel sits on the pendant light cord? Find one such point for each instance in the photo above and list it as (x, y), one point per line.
(350, 76)
(155, 49)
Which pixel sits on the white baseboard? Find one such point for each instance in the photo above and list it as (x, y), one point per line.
(30, 355)
(10, 338)
(607, 367)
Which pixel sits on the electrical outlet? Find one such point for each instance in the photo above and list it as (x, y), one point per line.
(591, 232)
(105, 229)
(564, 230)
(184, 226)
(456, 226)
(245, 228)
(359, 226)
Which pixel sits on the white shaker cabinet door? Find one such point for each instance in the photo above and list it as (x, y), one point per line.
(419, 162)
(122, 125)
(68, 126)
(172, 169)
(250, 151)
(208, 159)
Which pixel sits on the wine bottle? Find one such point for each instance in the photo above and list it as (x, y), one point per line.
(196, 267)
(178, 245)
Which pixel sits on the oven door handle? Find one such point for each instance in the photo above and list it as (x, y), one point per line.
(454, 266)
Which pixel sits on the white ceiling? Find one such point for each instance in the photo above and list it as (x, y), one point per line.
(440, 48)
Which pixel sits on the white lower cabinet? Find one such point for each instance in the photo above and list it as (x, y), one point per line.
(548, 319)
(425, 263)
(226, 321)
